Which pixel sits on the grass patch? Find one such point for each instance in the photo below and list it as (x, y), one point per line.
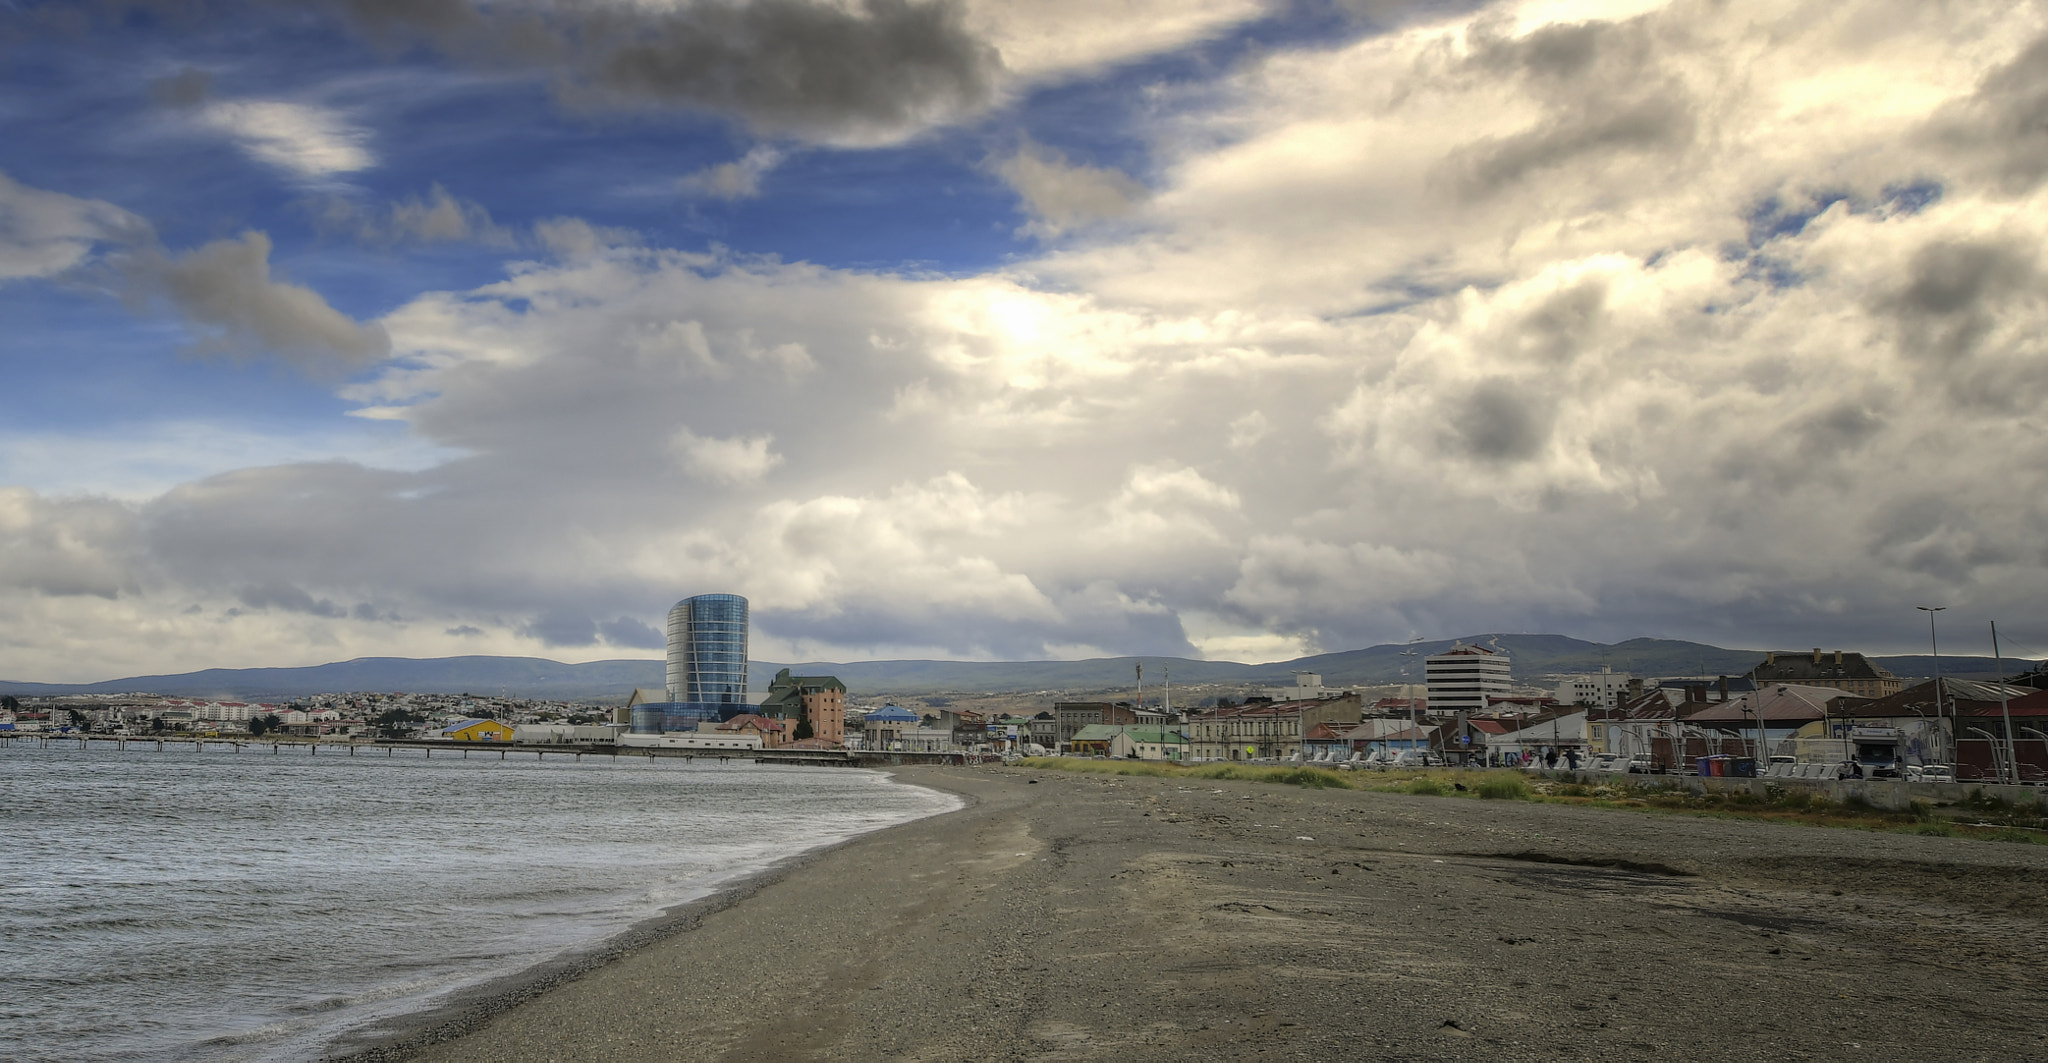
(2001, 821)
(1510, 788)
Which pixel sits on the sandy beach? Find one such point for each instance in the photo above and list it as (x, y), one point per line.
(1066, 916)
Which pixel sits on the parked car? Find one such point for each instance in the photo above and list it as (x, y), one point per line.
(1937, 773)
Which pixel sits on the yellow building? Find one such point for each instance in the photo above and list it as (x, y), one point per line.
(477, 731)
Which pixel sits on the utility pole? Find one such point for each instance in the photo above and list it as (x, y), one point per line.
(2012, 751)
(1954, 761)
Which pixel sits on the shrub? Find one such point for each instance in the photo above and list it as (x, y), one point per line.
(1313, 778)
(1426, 786)
(1793, 800)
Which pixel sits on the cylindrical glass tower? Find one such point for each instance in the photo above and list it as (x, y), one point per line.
(707, 659)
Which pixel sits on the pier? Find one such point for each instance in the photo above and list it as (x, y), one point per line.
(815, 758)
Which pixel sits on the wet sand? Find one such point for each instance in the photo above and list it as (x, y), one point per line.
(1065, 916)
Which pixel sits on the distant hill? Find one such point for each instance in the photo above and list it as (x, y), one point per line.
(1534, 656)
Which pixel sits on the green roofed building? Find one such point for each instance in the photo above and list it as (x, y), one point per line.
(1145, 742)
(819, 700)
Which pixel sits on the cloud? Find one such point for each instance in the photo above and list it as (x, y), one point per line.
(1052, 39)
(304, 140)
(858, 72)
(734, 461)
(45, 234)
(626, 631)
(557, 628)
(740, 179)
(2003, 125)
(292, 600)
(437, 218)
(186, 88)
(66, 547)
(576, 238)
(1061, 196)
(1494, 423)
(227, 290)
(1763, 371)
(225, 287)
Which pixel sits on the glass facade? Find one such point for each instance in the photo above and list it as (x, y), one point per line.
(707, 661)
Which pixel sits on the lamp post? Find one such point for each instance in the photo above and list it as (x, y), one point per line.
(1930, 610)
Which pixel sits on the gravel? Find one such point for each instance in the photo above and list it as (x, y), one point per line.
(1070, 916)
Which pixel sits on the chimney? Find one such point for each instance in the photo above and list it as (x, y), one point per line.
(1816, 655)
(1770, 657)
(1838, 658)
(1724, 688)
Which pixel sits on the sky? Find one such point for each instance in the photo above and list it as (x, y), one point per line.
(970, 329)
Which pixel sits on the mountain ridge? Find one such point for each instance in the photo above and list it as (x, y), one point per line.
(613, 680)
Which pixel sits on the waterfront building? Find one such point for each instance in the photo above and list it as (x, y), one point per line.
(770, 731)
(477, 731)
(707, 666)
(1308, 686)
(886, 727)
(1604, 689)
(1070, 716)
(1130, 741)
(1267, 730)
(819, 699)
(1849, 672)
(1462, 678)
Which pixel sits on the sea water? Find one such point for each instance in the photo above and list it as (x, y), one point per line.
(179, 905)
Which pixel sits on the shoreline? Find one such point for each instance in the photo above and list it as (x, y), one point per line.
(461, 1011)
(1058, 915)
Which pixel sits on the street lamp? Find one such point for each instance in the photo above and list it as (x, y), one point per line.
(1930, 610)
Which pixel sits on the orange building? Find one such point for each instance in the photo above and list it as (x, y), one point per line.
(819, 700)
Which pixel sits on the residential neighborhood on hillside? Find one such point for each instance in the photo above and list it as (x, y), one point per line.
(1814, 712)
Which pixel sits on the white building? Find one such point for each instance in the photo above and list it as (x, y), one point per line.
(1308, 686)
(1463, 677)
(693, 742)
(1604, 690)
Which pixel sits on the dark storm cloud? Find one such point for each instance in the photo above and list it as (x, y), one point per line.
(2003, 126)
(290, 600)
(626, 631)
(1561, 325)
(1840, 429)
(1658, 121)
(1498, 422)
(558, 628)
(226, 290)
(875, 69)
(1603, 92)
(1954, 292)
